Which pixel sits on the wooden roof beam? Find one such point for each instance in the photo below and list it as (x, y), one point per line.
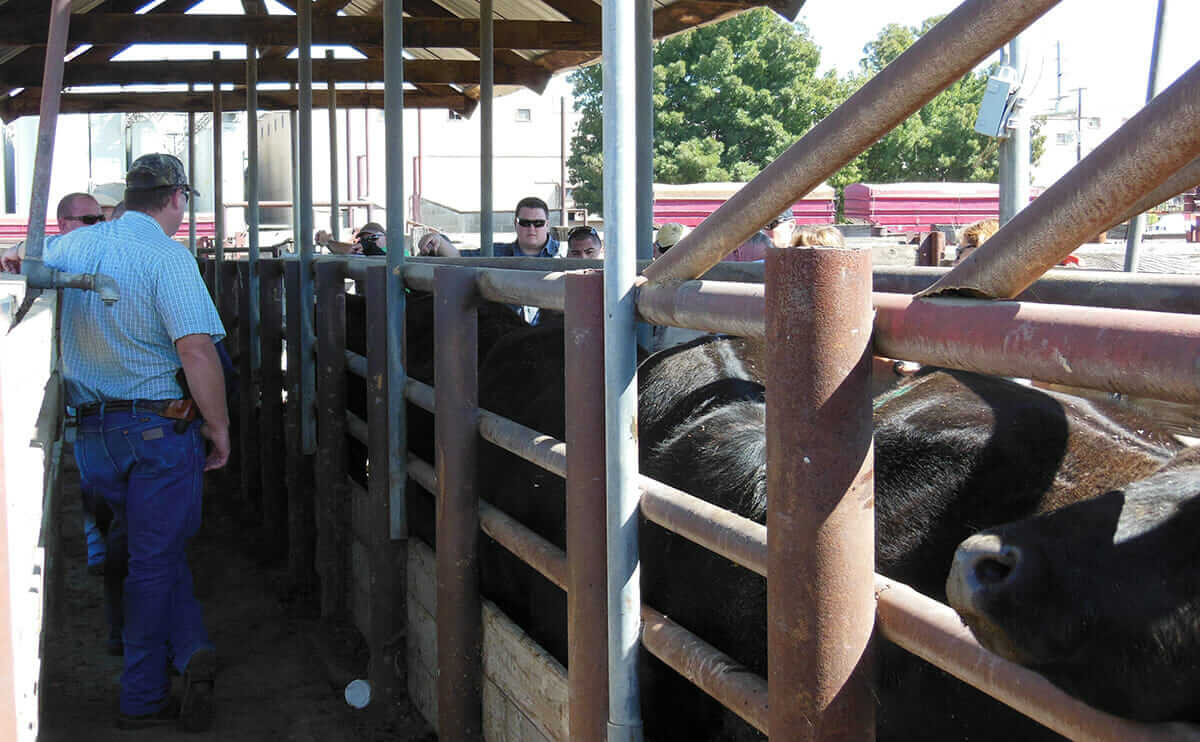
(201, 102)
(416, 71)
(166, 28)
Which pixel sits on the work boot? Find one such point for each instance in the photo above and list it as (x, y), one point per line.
(197, 709)
(167, 715)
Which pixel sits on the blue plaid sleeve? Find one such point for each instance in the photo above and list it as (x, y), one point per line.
(182, 300)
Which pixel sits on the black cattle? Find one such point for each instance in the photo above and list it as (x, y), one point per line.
(1102, 597)
(955, 452)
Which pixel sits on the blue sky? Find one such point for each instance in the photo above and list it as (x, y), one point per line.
(1105, 44)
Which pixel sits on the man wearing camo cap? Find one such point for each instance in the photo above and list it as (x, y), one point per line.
(139, 444)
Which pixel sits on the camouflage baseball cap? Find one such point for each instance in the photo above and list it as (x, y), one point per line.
(157, 170)
(669, 234)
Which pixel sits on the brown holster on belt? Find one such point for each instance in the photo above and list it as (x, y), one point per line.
(182, 411)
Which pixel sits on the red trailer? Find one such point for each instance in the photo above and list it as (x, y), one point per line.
(690, 203)
(917, 206)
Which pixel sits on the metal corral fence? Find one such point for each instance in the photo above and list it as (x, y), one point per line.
(337, 521)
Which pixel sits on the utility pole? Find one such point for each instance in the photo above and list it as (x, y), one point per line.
(1014, 147)
(1079, 124)
(1133, 237)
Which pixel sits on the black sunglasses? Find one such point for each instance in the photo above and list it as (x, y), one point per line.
(584, 231)
(88, 219)
(532, 222)
(776, 222)
(660, 248)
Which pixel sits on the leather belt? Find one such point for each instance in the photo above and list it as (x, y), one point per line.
(157, 406)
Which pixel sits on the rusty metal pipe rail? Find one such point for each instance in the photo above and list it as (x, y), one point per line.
(953, 47)
(935, 633)
(356, 428)
(708, 668)
(356, 364)
(1146, 354)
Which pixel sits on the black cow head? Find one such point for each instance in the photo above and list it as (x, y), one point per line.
(1102, 597)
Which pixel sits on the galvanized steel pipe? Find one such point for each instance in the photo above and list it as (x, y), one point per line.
(487, 93)
(191, 166)
(218, 124)
(820, 493)
(393, 119)
(949, 50)
(620, 137)
(334, 221)
(254, 313)
(304, 156)
(1138, 157)
(1133, 236)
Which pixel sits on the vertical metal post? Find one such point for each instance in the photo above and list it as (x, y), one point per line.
(333, 153)
(387, 565)
(331, 495)
(218, 179)
(349, 175)
(587, 633)
(293, 129)
(301, 533)
(562, 160)
(820, 512)
(254, 315)
(308, 386)
(191, 166)
(1137, 225)
(644, 97)
(274, 502)
(249, 466)
(393, 117)
(487, 70)
(1015, 148)
(459, 620)
(52, 77)
(620, 369)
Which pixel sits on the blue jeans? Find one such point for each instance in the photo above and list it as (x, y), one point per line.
(151, 476)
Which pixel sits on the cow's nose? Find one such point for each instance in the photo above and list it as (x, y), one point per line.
(982, 563)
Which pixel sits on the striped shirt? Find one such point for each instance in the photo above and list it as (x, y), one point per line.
(127, 350)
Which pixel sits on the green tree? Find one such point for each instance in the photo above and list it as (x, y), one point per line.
(939, 142)
(728, 97)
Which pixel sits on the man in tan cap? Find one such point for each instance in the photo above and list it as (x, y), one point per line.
(668, 236)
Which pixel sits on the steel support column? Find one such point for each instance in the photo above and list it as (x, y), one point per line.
(301, 524)
(644, 97)
(487, 93)
(334, 221)
(271, 379)
(191, 166)
(620, 369)
(293, 129)
(393, 117)
(308, 384)
(460, 630)
(255, 314)
(587, 633)
(820, 492)
(949, 50)
(1014, 150)
(1133, 238)
(218, 125)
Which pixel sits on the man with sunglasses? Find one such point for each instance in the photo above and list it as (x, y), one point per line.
(75, 210)
(532, 219)
(138, 444)
(584, 242)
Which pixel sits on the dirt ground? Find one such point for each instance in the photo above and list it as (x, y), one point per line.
(282, 670)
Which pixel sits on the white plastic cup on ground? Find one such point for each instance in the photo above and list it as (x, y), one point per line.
(358, 693)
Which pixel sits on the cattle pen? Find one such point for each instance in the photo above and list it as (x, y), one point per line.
(324, 389)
